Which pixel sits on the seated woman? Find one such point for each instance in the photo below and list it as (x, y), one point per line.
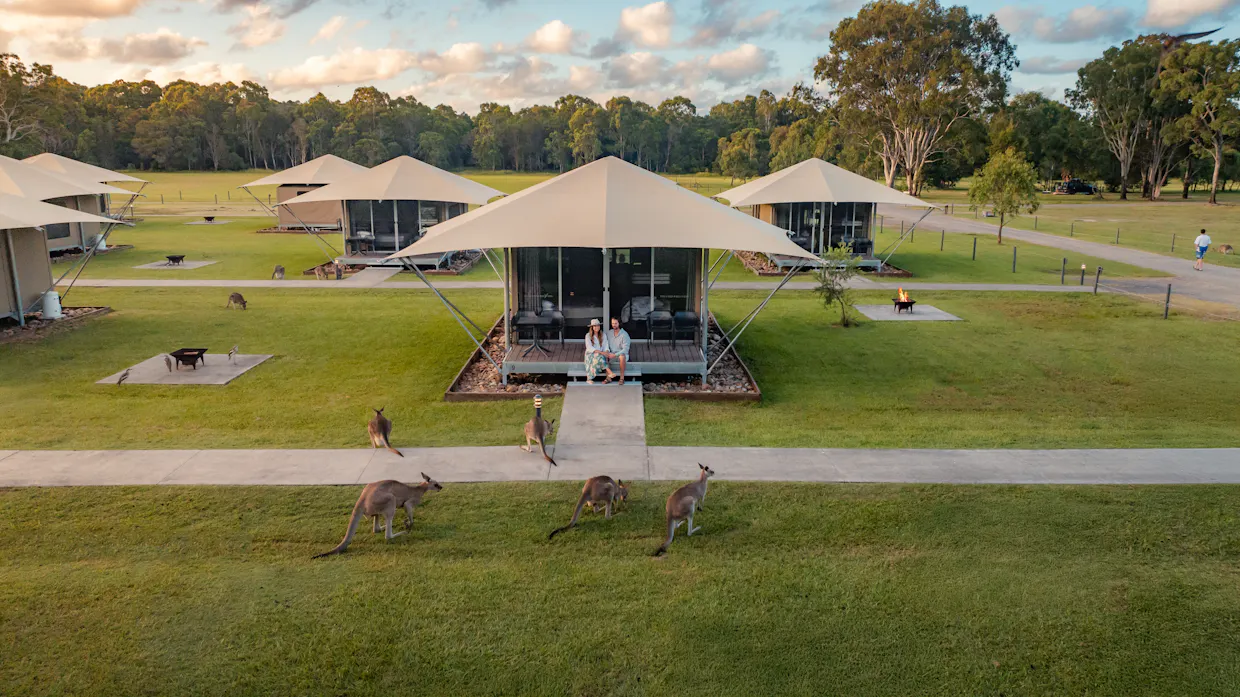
(596, 352)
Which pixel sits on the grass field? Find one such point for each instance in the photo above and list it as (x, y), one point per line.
(790, 589)
(1023, 370)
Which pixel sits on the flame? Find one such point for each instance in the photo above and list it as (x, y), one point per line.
(902, 296)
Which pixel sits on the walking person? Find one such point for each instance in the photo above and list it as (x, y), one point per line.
(596, 352)
(1203, 245)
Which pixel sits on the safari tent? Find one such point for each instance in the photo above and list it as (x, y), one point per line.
(32, 182)
(302, 179)
(391, 205)
(609, 239)
(819, 205)
(25, 269)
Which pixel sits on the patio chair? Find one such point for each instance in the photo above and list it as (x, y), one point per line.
(685, 321)
(659, 321)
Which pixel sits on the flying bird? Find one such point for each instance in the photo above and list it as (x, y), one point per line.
(1170, 43)
(124, 376)
(232, 352)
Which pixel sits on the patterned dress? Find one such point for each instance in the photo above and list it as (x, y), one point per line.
(596, 362)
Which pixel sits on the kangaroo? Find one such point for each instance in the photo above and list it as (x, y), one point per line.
(319, 273)
(382, 499)
(380, 430)
(1226, 249)
(538, 429)
(598, 491)
(681, 505)
(278, 274)
(235, 299)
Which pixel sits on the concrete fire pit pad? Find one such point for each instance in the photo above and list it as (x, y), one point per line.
(920, 313)
(173, 267)
(217, 371)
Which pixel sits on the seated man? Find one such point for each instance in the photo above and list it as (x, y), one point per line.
(618, 346)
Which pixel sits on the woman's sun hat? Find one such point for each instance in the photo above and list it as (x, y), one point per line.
(596, 323)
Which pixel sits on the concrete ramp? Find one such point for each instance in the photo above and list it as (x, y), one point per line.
(370, 276)
(602, 431)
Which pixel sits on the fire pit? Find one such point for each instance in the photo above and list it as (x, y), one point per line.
(175, 259)
(190, 357)
(902, 302)
(209, 218)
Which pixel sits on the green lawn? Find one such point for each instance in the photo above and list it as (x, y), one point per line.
(1023, 371)
(791, 589)
(1143, 226)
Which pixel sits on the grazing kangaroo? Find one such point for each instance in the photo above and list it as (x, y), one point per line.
(235, 299)
(382, 499)
(681, 505)
(1226, 249)
(538, 429)
(598, 491)
(278, 274)
(319, 273)
(380, 430)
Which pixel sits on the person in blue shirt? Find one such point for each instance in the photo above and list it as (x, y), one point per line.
(618, 343)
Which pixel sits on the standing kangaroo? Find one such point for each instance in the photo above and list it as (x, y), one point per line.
(538, 429)
(382, 499)
(235, 299)
(278, 274)
(681, 505)
(319, 273)
(598, 491)
(380, 430)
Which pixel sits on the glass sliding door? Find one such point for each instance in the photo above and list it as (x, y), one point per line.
(582, 291)
(383, 213)
(850, 224)
(538, 279)
(406, 223)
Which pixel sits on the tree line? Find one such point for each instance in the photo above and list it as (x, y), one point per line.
(919, 96)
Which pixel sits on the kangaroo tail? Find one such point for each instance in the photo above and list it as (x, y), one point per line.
(581, 503)
(671, 532)
(357, 518)
(395, 451)
(542, 444)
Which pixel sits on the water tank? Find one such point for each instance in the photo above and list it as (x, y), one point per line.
(51, 305)
(101, 244)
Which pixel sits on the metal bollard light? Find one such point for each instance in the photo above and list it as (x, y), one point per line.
(974, 249)
(1167, 305)
(1013, 258)
(1097, 278)
(1063, 270)
(1082, 274)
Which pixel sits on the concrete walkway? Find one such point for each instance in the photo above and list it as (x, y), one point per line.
(600, 423)
(577, 462)
(1216, 284)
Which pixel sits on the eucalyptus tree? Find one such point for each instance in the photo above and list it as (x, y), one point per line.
(1207, 77)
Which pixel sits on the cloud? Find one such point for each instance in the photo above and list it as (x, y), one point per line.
(1169, 14)
(161, 47)
(94, 9)
(722, 21)
(519, 82)
(1084, 23)
(459, 58)
(345, 67)
(584, 78)
(637, 70)
(330, 29)
(740, 64)
(1050, 65)
(259, 28)
(553, 37)
(284, 11)
(202, 73)
(649, 26)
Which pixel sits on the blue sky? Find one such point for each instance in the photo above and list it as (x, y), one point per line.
(521, 52)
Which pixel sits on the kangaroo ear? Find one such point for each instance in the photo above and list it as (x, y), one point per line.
(701, 466)
(424, 476)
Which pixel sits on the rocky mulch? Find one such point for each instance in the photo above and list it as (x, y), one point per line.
(37, 328)
(729, 377)
(74, 256)
(758, 263)
(480, 376)
(890, 271)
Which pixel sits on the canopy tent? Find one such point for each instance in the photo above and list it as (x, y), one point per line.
(66, 167)
(608, 204)
(629, 214)
(22, 179)
(25, 270)
(327, 169)
(816, 180)
(402, 179)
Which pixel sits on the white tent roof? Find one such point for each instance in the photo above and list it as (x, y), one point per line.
(401, 179)
(20, 179)
(327, 169)
(816, 181)
(17, 212)
(66, 167)
(606, 204)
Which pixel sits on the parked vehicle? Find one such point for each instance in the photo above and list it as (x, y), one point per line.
(1075, 186)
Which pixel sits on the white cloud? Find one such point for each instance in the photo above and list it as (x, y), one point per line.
(330, 29)
(584, 78)
(722, 21)
(259, 27)
(553, 37)
(1050, 65)
(94, 9)
(636, 70)
(203, 73)
(459, 58)
(741, 63)
(1169, 14)
(1084, 23)
(520, 82)
(649, 26)
(344, 68)
(161, 47)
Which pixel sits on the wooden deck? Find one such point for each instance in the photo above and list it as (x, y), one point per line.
(659, 358)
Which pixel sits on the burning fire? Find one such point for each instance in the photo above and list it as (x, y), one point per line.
(902, 296)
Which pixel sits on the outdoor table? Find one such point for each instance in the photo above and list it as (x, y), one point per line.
(537, 323)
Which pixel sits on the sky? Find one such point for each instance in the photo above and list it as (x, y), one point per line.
(523, 52)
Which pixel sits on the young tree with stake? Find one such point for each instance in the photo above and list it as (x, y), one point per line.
(839, 266)
(1008, 184)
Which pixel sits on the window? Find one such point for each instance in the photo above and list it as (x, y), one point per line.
(538, 274)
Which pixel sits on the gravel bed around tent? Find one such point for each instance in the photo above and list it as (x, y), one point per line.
(36, 327)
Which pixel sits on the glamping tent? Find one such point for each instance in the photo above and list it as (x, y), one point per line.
(390, 206)
(72, 169)
(25, 270)
(28, 181)
(609, 239)
(819, 205)
(302, 179)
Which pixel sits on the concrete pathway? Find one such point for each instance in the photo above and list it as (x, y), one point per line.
(579, 461)
(1217, 283)
(369, 277)
(600, 423)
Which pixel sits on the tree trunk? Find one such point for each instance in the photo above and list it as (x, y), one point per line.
(1001, 217)
(1218, 164)
(1184, 180)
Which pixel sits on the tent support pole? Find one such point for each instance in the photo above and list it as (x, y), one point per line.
(316, 236)
(81, 265)
(744, 324)
(907, 233)
(456, 314)
(17, 284)
(727, 259)
(704, 310)
(270, 211)
(506, 257)
(487, 253)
